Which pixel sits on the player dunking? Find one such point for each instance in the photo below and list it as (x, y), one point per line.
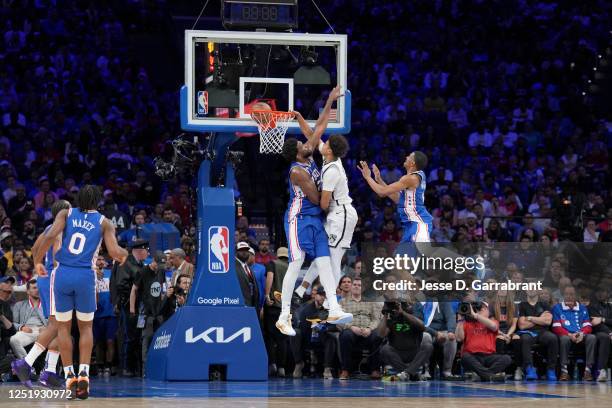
(335, 200)
(74, 280)
(409, 195)
(303, 224)
(47, 339)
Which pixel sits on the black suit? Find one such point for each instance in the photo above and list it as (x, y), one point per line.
(248, 285)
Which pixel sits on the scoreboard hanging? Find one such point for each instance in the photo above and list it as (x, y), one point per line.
(253, 14)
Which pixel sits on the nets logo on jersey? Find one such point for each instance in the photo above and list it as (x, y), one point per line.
(218, 249)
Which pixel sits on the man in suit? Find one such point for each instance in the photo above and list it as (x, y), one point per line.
(246, 276)
(177, 260)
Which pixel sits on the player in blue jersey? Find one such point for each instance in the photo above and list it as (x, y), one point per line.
(409, 195)
(47, 339)
(303, 224)
(74, 282)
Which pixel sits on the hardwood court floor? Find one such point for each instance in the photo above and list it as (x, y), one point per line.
(133, 393)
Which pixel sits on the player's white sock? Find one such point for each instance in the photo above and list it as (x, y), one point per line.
(336, 255)
(84, 367)
(289, 284)
(35, 351)
(326, 277)
(68, 370)
(51, 361)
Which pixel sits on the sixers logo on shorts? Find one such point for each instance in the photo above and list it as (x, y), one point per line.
(218, 249)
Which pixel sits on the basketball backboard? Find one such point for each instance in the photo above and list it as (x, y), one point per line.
(227, 71)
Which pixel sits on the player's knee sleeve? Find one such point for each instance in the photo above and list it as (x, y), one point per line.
(85, 317)
(63, 316)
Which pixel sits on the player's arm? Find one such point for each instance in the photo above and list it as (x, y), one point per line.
(330, 178)
(133, 293)
(46, 240)
(110, 241)
(377, 177)
(407, 181)
(301, 179)
(314, 136)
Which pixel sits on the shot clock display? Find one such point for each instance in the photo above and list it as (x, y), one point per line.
(271, 14)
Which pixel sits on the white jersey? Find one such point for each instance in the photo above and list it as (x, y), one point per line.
(334, 179)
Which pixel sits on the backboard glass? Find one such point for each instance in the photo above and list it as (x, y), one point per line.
(227, 71)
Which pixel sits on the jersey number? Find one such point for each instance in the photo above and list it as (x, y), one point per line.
(77, 243)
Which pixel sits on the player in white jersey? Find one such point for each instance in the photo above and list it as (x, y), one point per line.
(335, 200)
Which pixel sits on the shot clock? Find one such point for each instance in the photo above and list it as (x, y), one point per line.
(253, 14)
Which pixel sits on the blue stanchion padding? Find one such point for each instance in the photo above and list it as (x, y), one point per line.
(214, 327)
(196, 337)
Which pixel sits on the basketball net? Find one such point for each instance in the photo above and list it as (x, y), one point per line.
(272, 126)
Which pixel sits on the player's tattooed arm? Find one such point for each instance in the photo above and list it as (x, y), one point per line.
(379, 180)
(314, 135)
(301, 179)
(304, 127)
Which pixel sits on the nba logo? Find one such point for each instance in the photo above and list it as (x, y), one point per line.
(202, 103)
(218, 249)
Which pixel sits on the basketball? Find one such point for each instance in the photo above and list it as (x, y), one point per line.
(261, 203)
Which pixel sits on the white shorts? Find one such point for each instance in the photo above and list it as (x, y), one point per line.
(340, 225)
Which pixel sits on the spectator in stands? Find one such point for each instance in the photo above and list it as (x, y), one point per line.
(361, 332)
(7, 328)
(440, 324)
(29, 320)
(264, 256)
(312, 333)
(177, 261)
(534, 322)
(259, 272)
(184, 282)
(276, 342)
(105, 322)
(478, 332)
(135, 232)
(345, 286)
(600, 311)
(571, 322)
(246, 277)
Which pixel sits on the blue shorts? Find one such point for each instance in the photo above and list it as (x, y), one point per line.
(74, 289)
(417, 232)
(44, 288)
(105, 328)
(306, 234)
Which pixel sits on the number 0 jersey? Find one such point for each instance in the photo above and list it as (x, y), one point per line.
(81, 239)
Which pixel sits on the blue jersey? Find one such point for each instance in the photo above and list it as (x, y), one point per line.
(49, 257)
(104, 307)
(411, 205)
(298, 202)
(81, 240)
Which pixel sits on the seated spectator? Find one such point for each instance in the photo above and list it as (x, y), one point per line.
(7, 328)
(479, 333)
(29, 320)
(360, 332)
(600, 311)
(313, 332)
(440, 323)
(176, 259)
(135, 232)
(344, 287)
(533, 328)
(590, 233)
(572, 324)
(184, 282)
(402, 324)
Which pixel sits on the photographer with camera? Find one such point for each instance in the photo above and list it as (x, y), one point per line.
(403, 327)
(478, 333)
